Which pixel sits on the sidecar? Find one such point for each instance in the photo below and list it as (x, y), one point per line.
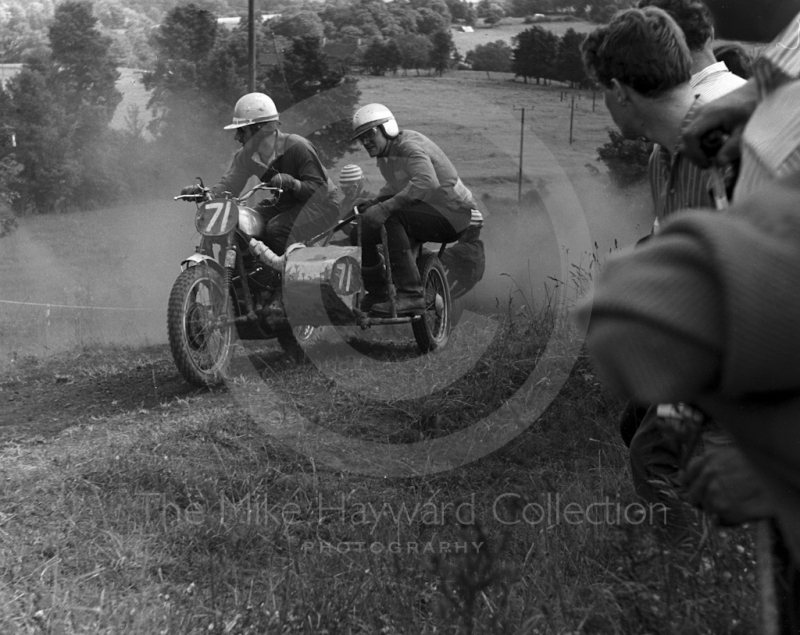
(322, 285)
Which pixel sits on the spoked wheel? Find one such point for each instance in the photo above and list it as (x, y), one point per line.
(201, 345)
(295, 341)
(433, 330)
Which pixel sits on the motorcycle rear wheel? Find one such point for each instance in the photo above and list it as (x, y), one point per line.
(201, 349)
(433, 330)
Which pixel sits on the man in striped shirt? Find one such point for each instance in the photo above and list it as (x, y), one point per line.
(759, 121)
(642, 59)
(676, 183)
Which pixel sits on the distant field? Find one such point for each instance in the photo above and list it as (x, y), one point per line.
(511, 27)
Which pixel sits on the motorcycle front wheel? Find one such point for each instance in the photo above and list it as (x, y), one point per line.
(200, 341)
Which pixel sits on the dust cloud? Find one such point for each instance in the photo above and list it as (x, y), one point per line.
(104, 276)
(100, 276)
(526, 259)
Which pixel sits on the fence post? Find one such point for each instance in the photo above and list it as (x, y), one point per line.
(571, 117)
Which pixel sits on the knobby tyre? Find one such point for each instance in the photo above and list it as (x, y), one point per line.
(199, 305)
(433, 330)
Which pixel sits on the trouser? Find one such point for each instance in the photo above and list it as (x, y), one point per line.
(294, 225)
(655, 459)
(420, 222)
(786, 581)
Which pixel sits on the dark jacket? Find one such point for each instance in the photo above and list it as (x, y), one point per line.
(293, 155)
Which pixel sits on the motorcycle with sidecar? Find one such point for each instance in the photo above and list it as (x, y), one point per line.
(235, 287)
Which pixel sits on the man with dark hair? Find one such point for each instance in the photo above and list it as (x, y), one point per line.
(738, 60)
(653, 457)
(709, 311)
(758, 122)
(642, 59)
(711, 77)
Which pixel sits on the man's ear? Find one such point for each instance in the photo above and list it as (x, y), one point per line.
(621, 91)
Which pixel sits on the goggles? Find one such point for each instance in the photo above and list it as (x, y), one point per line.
(368, 135)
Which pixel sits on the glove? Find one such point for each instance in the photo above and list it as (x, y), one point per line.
(191, 190)
(363, 204)
(285, 182)
(722, 483)
(376, 216)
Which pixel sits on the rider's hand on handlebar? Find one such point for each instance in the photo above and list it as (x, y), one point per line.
(376, 215)
(363, 204)
(285, 182)
(192, 190)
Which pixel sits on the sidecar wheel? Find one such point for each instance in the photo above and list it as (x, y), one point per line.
(433, 330)
(201, 350)
(294, 342)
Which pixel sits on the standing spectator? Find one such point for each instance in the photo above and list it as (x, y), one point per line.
(758, 122)
(725, 293)
(711, 77)
(642, 59)
(654, 457)
(736, 58)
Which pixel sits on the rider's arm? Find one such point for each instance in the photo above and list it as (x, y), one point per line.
(235, 178)
(301, 163)
(422, 184)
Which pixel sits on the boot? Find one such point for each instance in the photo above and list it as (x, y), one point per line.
(409, 298)
(375, 286)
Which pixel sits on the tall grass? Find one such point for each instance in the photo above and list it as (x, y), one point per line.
(189, 519)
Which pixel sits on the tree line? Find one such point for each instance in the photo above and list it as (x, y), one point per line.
(536, 54)
(129, 23)
(58, 151)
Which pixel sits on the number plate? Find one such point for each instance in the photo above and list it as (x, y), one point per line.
(346, 276)
(217, 217)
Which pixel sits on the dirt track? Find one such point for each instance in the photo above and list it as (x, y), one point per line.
(41, 398)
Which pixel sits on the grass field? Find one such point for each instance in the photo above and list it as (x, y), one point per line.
(508, 28)
(372, 490)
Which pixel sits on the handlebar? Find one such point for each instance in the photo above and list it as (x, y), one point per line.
(205, 194)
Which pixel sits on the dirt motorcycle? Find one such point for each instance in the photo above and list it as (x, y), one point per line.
(235, 286)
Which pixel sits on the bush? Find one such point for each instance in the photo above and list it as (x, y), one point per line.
(626, 159)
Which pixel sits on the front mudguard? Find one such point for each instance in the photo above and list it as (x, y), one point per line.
(196, 259)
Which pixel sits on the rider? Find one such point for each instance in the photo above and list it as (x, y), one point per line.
(308, 203)
(423, 200)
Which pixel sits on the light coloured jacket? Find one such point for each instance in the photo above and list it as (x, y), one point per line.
(417, 171)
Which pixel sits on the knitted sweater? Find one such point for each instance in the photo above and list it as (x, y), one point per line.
(709, 313)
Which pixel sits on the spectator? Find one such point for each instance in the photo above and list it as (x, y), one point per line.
(654, 456)
(642, 59)
(689, 317)
(711, 78)
(736, 58)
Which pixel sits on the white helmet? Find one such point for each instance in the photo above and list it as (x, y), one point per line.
(373, 115)
(253, 108)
